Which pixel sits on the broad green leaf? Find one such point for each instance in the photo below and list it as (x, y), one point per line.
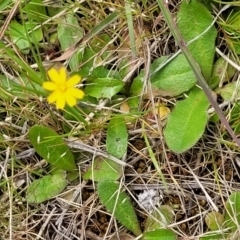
(228, 91)
(137, 86)
(46, 188)
(214, 220)
(193, 19)
(103, 72)
(91, 61)
(104, 87)
(4, 4)
(19, 34)
(133, 104)
(54, 9)
(138, 82)
(187, 122)
(99, 72)
(36, 11)
(223, 71)
(159, 218)
(49, 145)
(108, 192)
(69, 32)
(159, 234)
(103, 169)
(86, 57)
(117, 137)
(174, 78)
(99, 42)
(90, 56)
(232, 217)
(213, 235)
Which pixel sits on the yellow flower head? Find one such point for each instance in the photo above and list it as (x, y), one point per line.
(63, 90)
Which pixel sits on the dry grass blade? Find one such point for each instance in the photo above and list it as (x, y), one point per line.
(9, 17)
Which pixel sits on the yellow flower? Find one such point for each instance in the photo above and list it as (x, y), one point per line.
(63, 90)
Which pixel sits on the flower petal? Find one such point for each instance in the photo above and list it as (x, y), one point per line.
(72, 81)
(71, 101)
(54, 96)
(57, 77)
(50, 86)
(75, 92)
(61, 102)
(53, 75)
(63, 74)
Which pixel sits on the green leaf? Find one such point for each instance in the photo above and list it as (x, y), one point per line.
(187, 122)
(36, 11)
(175, 78)
(108, 192)
(232, 217)
(159, 218)
(46, 188)
(214, 220)
(102, 72)
(4, 4)
(104, 87)
(86, 57)
(222, 71)
(69, 32)
(137, 85)
(10, 89)
(228, 91)
(91, 60)
(213, 235)
(103, 169)
(193, 19)
(159, 234)
(49, 145)
(19, 35)
(117, 137)
(99, 42)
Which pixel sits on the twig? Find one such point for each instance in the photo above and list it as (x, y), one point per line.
(201, 186)
(228, 59)
(9, 17)
(72, 143)
(222, 105)
(46, 222)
